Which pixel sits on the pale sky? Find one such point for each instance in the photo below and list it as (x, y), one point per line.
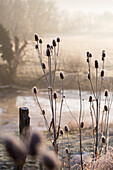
(86, 6)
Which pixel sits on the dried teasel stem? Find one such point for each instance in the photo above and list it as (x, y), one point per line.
(55, 97)
(61, 132)
(96, 146)
(71, 113)
(62, 100)
(91, 100)
(39, 52)
(53, 117)
(80, 132)
(56, 58)
(68, 156)
(89, 56)
(42, 111)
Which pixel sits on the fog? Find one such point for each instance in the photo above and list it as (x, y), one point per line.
(82, 26)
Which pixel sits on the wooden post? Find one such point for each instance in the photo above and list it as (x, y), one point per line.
(24, 122)
(24, 119)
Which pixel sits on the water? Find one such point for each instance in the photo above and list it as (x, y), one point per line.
(9, 109)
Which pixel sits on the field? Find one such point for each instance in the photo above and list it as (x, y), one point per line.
(73, 89)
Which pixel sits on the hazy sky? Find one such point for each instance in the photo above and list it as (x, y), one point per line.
(94, 6)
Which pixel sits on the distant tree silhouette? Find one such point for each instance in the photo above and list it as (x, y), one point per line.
(5, 45)
(10, 53)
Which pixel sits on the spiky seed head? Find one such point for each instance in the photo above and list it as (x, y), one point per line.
(67, 150)
(106, 93)
(48, 46)
(48, 52)
(90, 99)
(36, 46)
(87, 54)
(36, 37)
(103, 54)
(15, 148)
(90, 55)
(102, 73)
(34, 143)
(43, 66)
(61, 75)
(89, 76)
(35, 90)
(50, 160)
(58, 39)
(43, 112)
(66, 128)
(40, 41)
(54, 43)
(51, 47)
(87, 60)
(105, 108)
(102, 58)
(61, 132)
(103, 139)
(53, 143)
(55, 95)
(96, 64)
(82, 124)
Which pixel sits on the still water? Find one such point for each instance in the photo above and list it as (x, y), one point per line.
(10, 104)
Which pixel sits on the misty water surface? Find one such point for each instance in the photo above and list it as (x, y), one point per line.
(9, 108)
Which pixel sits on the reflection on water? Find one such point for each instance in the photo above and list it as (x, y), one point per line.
(9, 107)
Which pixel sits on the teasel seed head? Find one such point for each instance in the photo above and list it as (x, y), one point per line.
(66, 129)
(106, 93)
(55, 95)
(87, 60)
(54, 43)
(50, 160)
(89, 76)
(103, 139)
(87, 54)
(53, 143)
(35, 143)
(35, 90)
(43, 112)
(102, 58)
(51, 47)
(61, 132)
(48, 46)
(102, 73)
(43, 66)
(58, 39)
(67, 150)
(48, 52)
(105, 108)
(90, 55)
(96, 64)
(82, 125)
(90, 99)
(36, 46)
(15, 148)
(40, 41)
(61, 75)
(103, 54)
(36, 37)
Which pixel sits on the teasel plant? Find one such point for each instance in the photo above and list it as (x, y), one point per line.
(97, 99)
(52, 53)
(105, 118)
